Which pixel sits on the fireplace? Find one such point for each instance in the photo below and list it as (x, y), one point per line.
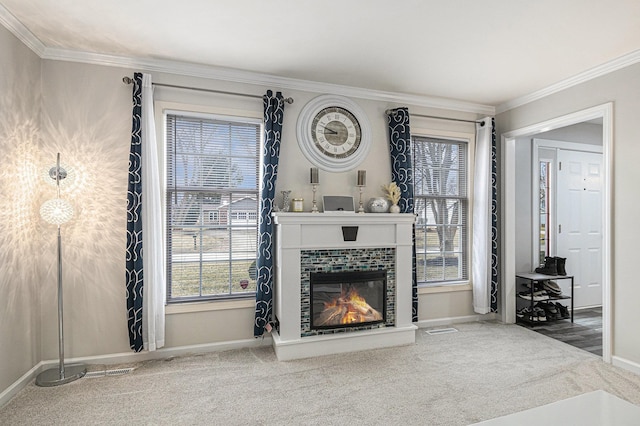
(348, 299)
(317, 266)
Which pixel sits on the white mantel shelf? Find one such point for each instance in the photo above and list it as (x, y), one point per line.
(295, 232)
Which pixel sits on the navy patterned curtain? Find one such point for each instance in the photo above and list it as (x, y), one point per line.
(134, 223)
(402, 175)
(273, 115)
(494, 219)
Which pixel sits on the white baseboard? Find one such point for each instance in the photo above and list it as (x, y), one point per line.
(125, 357)
(634, 367)
(455, 320)
(18, 385)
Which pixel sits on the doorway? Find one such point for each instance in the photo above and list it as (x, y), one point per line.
(512, 141)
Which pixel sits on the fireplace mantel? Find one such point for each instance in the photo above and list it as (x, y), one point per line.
(298, 233)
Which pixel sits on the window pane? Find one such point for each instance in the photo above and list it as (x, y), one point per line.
(215, 277)
(453, 267)
(441, 208)
(212, 231)
(185, 279)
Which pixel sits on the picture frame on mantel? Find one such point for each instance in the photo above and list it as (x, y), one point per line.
(338, 204)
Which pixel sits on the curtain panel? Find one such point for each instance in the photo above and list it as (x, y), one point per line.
(145, 279)
(273, 116)
(485, 232)
(494, 219)
(154, 294)
(402, 175)
(134, 268)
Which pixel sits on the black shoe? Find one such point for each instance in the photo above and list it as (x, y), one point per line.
(550, 309)
(561, 263)
(550, 266)
(563, 310)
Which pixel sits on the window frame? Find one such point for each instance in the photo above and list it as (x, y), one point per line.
(468, 138)
(164, 109)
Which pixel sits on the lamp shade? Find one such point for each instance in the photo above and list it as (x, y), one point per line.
(56, 211)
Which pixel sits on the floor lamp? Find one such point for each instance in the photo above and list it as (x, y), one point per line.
(57, 212)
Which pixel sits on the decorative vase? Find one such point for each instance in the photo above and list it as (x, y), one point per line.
(286, 201)
(394, 209)
(378, 205)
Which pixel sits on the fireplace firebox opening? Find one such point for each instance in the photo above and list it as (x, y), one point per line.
(348, 299)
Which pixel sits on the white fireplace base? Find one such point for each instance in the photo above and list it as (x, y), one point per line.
(296, 232)
(328, 344)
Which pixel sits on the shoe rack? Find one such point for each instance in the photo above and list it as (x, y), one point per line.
(530, 295)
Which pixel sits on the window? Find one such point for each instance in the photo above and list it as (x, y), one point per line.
(441, 205)
(212, 190)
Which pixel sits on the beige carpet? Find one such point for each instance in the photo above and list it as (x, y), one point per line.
(483, 371)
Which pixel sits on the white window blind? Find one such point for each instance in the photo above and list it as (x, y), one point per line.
(212, 206)
(442, 207)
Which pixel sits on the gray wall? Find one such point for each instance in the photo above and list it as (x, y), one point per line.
(20, 234)
(621, 88)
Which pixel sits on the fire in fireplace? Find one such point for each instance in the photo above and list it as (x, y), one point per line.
(348, 299)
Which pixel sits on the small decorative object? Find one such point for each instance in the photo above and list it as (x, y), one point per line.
(378, 205)
(244, 284)
(315, 180)
(392, 192)
(338, 204)
(362, 182)
(298, 205)
(286, 202)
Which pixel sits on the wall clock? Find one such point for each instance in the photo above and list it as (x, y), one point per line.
(333, 133)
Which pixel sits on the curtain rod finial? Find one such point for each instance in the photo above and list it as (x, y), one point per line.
(127, 80)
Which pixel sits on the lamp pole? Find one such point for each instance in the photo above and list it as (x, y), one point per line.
(57, 212)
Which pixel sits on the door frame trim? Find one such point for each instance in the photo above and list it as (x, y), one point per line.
(508, 192)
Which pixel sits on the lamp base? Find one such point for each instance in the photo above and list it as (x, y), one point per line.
(51, 377)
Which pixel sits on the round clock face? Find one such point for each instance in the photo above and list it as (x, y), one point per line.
(336, 132)
(333, 133)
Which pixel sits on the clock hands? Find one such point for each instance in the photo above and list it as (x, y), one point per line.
(331, 131)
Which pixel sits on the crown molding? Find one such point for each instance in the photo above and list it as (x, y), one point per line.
(599, 71)
(12, 23)
(249, 77)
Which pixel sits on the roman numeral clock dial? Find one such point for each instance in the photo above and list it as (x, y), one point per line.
(333, 133)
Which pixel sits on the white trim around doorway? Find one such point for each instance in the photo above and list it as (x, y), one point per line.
(507, 181)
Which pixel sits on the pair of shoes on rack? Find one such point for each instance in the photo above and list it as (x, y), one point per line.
(535, 315)
(538, 296)
(553, 266)
(550, 309)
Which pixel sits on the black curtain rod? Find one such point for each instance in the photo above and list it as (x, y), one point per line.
(389, 111)
(129, 80)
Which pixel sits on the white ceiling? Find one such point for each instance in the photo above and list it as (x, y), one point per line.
(486, 52)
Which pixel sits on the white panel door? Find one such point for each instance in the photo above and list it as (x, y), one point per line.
(579, 214)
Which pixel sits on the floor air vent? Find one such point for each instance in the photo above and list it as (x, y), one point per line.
(102, 373)
(437, 331)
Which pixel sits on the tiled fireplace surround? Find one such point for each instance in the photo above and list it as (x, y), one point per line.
(308, 242)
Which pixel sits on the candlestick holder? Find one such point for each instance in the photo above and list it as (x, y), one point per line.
(314, 207)
(361, 207)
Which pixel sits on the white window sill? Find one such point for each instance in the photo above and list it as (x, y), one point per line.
(209, 305)
(448, 288)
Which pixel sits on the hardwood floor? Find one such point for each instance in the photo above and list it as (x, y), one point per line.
(584, 333)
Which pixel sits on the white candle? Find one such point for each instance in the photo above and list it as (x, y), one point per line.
(362, 177)
(314, 176)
